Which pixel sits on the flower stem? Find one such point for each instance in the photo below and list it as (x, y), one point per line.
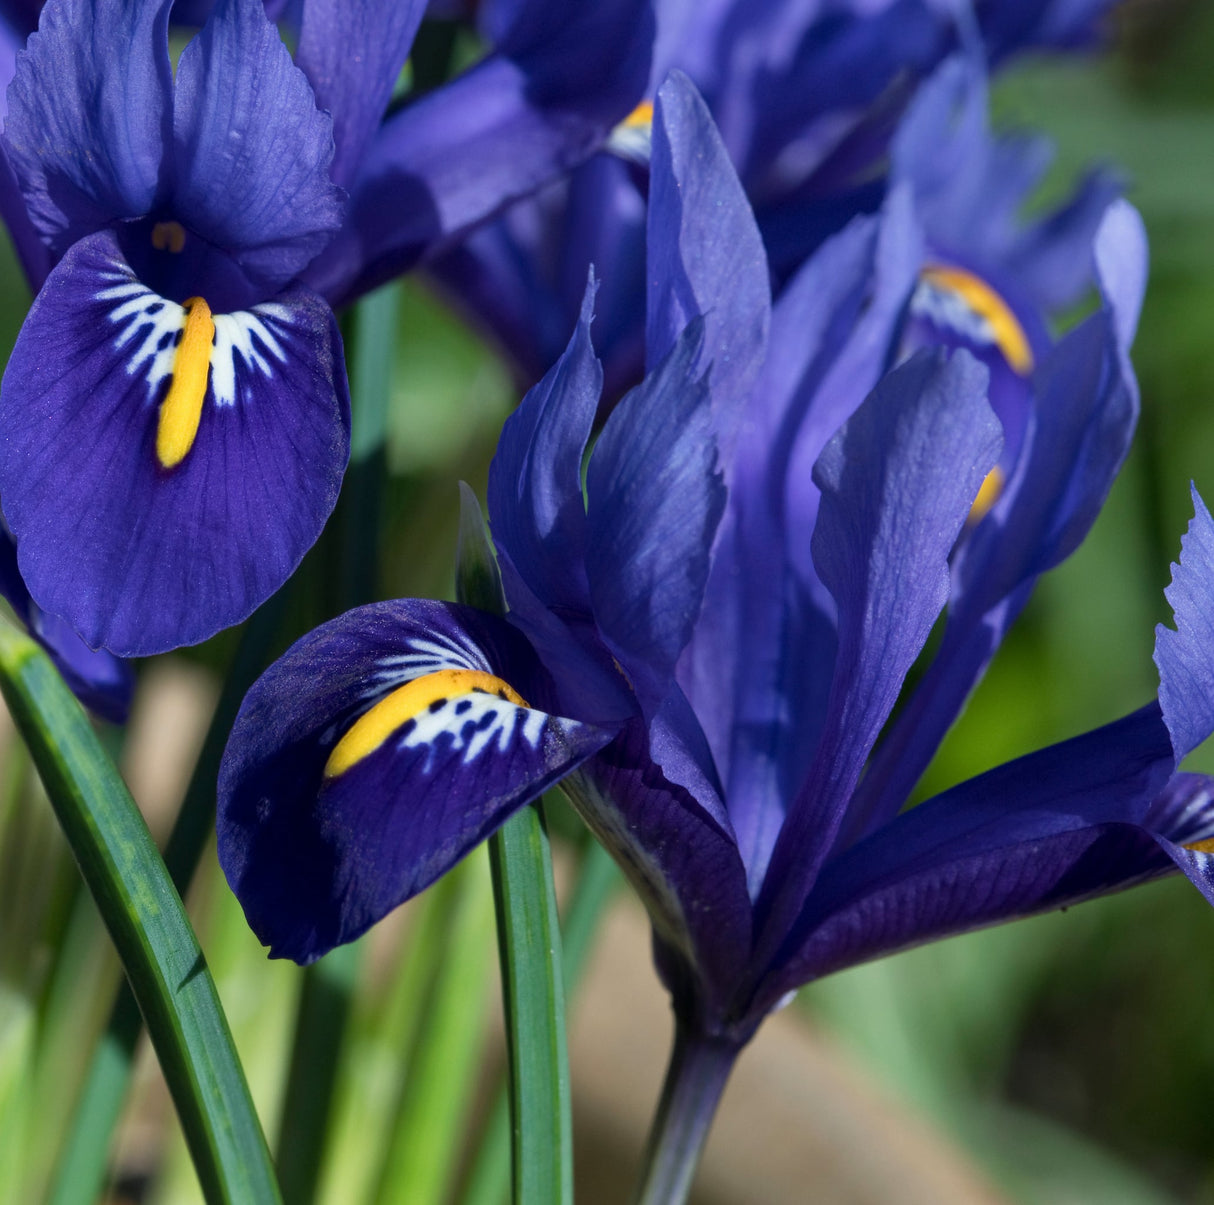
(695, 1080)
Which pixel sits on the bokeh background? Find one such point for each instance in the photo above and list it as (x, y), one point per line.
(1065, 1059)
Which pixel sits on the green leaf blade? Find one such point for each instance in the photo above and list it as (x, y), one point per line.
(148, 925)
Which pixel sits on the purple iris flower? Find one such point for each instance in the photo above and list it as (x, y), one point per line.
(724, 609)
(174, 420)
(807, 98)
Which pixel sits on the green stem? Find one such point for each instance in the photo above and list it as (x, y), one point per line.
(534, 1000)
(148, 925)
(597, 878)
(699, 1068)
(529, 945)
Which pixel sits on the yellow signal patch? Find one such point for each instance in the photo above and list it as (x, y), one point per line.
(376, 725)
(181, 410)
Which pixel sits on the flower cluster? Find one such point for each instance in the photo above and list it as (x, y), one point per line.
(817, 402)
(721, 617)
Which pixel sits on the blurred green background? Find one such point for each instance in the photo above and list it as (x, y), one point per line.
(1073, 1055)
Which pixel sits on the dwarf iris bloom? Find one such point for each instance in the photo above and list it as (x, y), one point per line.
(769, 527)
(174, 420)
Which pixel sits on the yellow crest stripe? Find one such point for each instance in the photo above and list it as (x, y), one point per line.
(983, 300)
(375, 726)
(640, 118)
(988, 495)
(1202, 847)
(181, 410)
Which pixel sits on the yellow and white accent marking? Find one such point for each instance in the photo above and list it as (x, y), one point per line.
(1193, 829)
(191, 347)
(633, 138)
(181, 410)
(476, 710)
(962, 302)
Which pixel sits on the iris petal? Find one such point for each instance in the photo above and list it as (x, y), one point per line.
(252, 152)
(101, 681)
(561, 78)
(1185, 657)
(89, 112)
(138, 558)
(705, 258)
(655, 498)
(319, 844)
(1050, 829)
(352, 54)
(897, 484)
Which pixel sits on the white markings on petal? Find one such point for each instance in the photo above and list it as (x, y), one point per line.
(429, 654)
(472, 724)
(1190, 823)
(948, 309)
(150, 328)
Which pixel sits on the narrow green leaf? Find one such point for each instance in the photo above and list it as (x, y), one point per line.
(148, 925)
(597, 878)
(529, 947)
(441, 1076)
(85, 1153)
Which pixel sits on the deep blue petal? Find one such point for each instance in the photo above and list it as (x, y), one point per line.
(654, 500)
(536, 507)
(101, 681)
(89, 113)
(352, 54)
(1185, 657)
(756, 668)
(705, 258)
(1085, 408)
(521, 278)
(317, 857)
(1047, 830)
(897, 484)
(1050, 829)
(675, 853)
(137, 557)
(252, 152)
(543, 103)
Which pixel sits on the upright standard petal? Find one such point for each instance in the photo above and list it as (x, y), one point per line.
(747, 670)
(89, 114)
(897, 484)
(655, 499)
(971, 188)
(164, 469)
(352, 54)
(1084, 411)
(251, 150)
(535, 481)
(371, 758)
(705, 257)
